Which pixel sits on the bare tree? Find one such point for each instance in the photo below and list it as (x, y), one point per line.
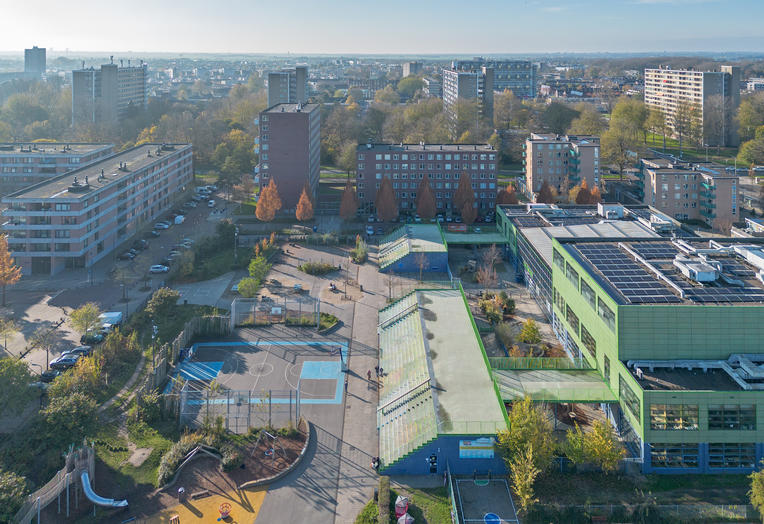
(486, 273)
(421, 262)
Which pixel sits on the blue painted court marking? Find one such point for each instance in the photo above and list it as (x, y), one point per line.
(491, 518)
(320, 369)
(343, 346)
(188, 370)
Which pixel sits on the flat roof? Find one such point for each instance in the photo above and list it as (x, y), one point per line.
(425, 237)
(677, 379)
(659, 271)
(51, 148)
(553, 385)
(484, 237)
(291, 108)
(463, 384)
(433, 148)
(58, 187)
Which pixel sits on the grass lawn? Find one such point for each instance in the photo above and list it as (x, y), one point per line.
(596, 488)
(368, 514)
(245, 209)
(170, 327)
(426, 505)
(690, 152)
(118, 379)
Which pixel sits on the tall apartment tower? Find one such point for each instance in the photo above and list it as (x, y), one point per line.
(290, 150)
(289, 86)
(519, 76)
(411, 68)
(34, 60)
(105, 95)
(561, 161)
(715, 95)
(468, 85)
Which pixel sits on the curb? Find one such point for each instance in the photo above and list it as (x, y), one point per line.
(281, 474)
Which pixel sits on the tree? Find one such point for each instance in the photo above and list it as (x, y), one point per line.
(349, 202)
(408, 86)
(248, 287)
(685, 121)
(258, 268)
(583, 196)
(162, 303)
(85, 317)
(755, 493)
(13, 492)
(603, 447)
(14, 383)
(588, 122)
(656, 124)
(386, 203)
(631, 114)
(421, 261)
(530, 333)
(596, 196)
(70, 416)
(10, 273)
(750, 115)
(268, 203)
(304, 211)
(464, 192)
(507, 195)
(8, 328)
(575, 445)
(43, 338)
(387, 96)
(528, 426)
(505, 108)
(348, 159)
(486, 273)
(545, 194)
(425, 199)
(752, 152)
(469, 212)
(523, 473)
(616, 144)
(558, 117)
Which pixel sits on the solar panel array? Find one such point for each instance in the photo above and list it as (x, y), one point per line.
(654, 250)
(574, 221)
(629, 277)
(529, 221)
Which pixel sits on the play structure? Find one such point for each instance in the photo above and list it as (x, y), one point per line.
(65, 488)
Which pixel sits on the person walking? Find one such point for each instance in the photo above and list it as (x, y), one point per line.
(368, 375)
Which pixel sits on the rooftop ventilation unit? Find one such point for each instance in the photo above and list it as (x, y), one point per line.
(610, 211)
(697, 269)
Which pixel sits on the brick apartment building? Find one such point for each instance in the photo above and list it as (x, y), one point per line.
(561, 161)
(691, 191)
(106, 95)
(445, 165)
(76, 219)
(290, 150)
(715, 95)
(25, 164)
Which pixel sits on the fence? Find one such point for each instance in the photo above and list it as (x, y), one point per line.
(293, 310)
(451, 495)
(682, 512)
(397, 287)
(239, 409)
(537, 363)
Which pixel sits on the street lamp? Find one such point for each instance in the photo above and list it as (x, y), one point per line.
(235, 243)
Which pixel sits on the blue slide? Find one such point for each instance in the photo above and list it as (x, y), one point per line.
(95, 499)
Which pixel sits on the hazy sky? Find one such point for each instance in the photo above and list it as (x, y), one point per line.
(385, 26)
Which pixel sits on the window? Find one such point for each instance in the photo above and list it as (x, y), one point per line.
(732, 416)
(674, 417)
(606, 369)
(607, 315)
(572, 319)
(572, 275)
(589, 343)
(674, 455)
(629, 399)
(559, 300)
(732, 455)
(559, 261)
(63, 207)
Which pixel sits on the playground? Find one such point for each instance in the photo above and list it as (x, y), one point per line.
(483, 498)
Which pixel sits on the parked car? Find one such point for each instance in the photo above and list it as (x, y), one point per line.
(187, 240)
(127, 255)
(372, 219)
(166, 261)
(190, 203)
(140, 244)
(369, 230)
(161, 225)
(83, 351)
(197, 198)
(417, 218)
(159, 268)
(49, 376)
(211, 203)
(212, 188)
(380, 231)
(91, 338)
(154, 233)
(63, 363)
(173, 255)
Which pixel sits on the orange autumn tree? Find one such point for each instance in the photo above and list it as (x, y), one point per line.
(469, 212)
(349, 203)
(304, 211)
(425, 199)
(463, 191)
(596, 196)
(387, 205)
(268, 203)
(545, 194)
(10, 273)
(507, 195)
(583, 196)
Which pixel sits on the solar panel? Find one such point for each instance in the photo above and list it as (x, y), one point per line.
(529, 221)
(654, 250)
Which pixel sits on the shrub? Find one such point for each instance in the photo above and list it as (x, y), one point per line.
(504, 331)
(530, 333)
(232, 458)
(508, 305)
(360, 252)
(317, 268)
(175, 455)
(327, 320)
(13, 491)
(70, 416)
(492, 307)
(383, 502)
(259, 267)
(146, 408)
(248, 287)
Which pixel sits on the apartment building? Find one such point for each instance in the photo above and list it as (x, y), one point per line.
(76, 219)
(444, 164)
(290, 150)
(288, 86)
(563, 161)
(26, 164)
(519, 76)
(433, 87)
(107, 94)
(468, 85)
(412, 68)
(715, 95)
(691, 191)
(35, 60)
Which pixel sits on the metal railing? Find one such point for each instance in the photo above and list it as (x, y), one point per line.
(399, 397)
(505, 363)
(398, 316)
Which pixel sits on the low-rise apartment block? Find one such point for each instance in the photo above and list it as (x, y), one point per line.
(563, 161)
(444, 164)
(290, 150)
(25, 164)
(715, 95)
(691, 191)
(76, 219)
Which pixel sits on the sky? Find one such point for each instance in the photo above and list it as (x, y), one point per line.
(382, 26)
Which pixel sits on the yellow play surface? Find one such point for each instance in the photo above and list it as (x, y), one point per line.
(245, 505)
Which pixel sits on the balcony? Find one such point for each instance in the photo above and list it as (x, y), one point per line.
(708, 186)
(707, 204)
(707, 213)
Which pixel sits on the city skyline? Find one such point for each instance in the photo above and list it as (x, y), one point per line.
(200, 27)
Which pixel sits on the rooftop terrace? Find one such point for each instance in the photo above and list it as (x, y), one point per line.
(133, 160)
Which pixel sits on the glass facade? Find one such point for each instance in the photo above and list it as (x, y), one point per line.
(607, 315)
(588, 294)
(589, 343)
(732, 455)
(674, 417)
(572, 319)
(629, 398)
(674, 455)
(732, 416)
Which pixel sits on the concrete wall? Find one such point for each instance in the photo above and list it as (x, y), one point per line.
(408, 264)
(446, 448)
